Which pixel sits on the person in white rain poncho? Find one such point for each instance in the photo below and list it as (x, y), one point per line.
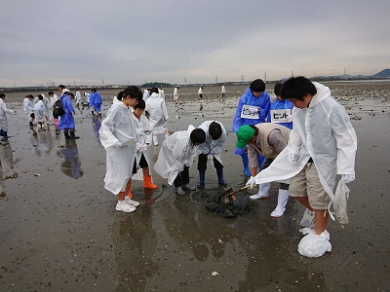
(28, 108)
(176, 157)
(157, 110)
(3, 118)
(146, 95)
(211, 150)
(40, 112)
(322, 144)
(118, 137)
(176, 97)
(144, 137)
(52, 98)
(161, 93)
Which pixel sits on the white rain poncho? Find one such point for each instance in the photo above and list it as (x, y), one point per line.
(176, 152)
(28, 107)
(175, 94)
(145, 95)
(144, 137)
(157, 109)
(39, 111)
(3, 115)
(210, 146)
(118, 126)
(324, 132)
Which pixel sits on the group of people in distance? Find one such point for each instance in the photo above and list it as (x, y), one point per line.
(303, 140)
(59, 111)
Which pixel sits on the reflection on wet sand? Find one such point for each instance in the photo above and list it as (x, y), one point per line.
(71, 166)
(96, 123)
(134, 246)
(7, 166)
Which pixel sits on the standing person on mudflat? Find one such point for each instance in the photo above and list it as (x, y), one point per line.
(253, 108)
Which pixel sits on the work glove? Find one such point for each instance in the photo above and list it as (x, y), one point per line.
(239, 151)
(251, 182)
(290, 118)
(347, 178)
(293, 158)
(210, 157)
(141, 148)
(117, 144)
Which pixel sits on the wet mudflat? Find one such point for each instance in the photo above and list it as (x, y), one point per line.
(60, 230)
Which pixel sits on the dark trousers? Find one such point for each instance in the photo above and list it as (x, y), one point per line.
(202, 163)
(182, 178)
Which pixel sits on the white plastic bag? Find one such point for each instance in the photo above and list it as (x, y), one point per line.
(340, 203)
(313, 245)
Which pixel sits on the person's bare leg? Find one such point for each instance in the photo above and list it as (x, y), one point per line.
(145, 171)
(305, 202)
(322, 217)
(128, 189)
(121, 196)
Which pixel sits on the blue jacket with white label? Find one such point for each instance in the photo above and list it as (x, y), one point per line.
(263, 102)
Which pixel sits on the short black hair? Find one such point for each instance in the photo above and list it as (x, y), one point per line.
(140, 104)
(40, 96)
(93, 89)
(2, 95)
(278, 88)
(61, 86)
(257, 85)
(154, 89)
(120, 95)
(140, 95)
(298, 88)
(70, 94)
(29, 96)
(50, 93)
(197, 136)
(131, 91)
(215, 130)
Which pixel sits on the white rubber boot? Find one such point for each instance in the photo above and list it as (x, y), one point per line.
(282, 202)
(263, 192)
(155, 140)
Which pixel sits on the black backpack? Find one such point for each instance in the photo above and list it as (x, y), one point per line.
(58, 110)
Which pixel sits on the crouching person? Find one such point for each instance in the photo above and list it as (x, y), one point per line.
(176, 157)
(211, 150)
(267, 140)
(118, 137)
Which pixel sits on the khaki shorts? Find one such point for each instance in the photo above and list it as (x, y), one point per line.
(307, 184)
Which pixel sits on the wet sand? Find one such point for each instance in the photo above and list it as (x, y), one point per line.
(60, 230)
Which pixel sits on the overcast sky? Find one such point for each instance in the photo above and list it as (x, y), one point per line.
(128, 42)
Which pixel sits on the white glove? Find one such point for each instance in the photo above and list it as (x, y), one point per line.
(290, 118)
(210, 157)
(251, 182)
(117, 144)
(347, 178)
(293, 158)
(141, 148)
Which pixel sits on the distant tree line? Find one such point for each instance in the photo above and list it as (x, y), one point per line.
(156, 84)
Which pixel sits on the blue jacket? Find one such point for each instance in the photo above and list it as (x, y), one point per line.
(95, 98)
(263, 101)
(67, 120)
(285, 104)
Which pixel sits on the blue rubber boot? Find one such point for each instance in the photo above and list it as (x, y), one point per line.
(202, 175)
(245, 161)
(221, 182)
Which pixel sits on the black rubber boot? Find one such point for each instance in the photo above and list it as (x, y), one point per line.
(221, 182)
(66, 134)
(72, 135)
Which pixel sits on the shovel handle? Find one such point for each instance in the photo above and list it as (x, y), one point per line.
(244, 188)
